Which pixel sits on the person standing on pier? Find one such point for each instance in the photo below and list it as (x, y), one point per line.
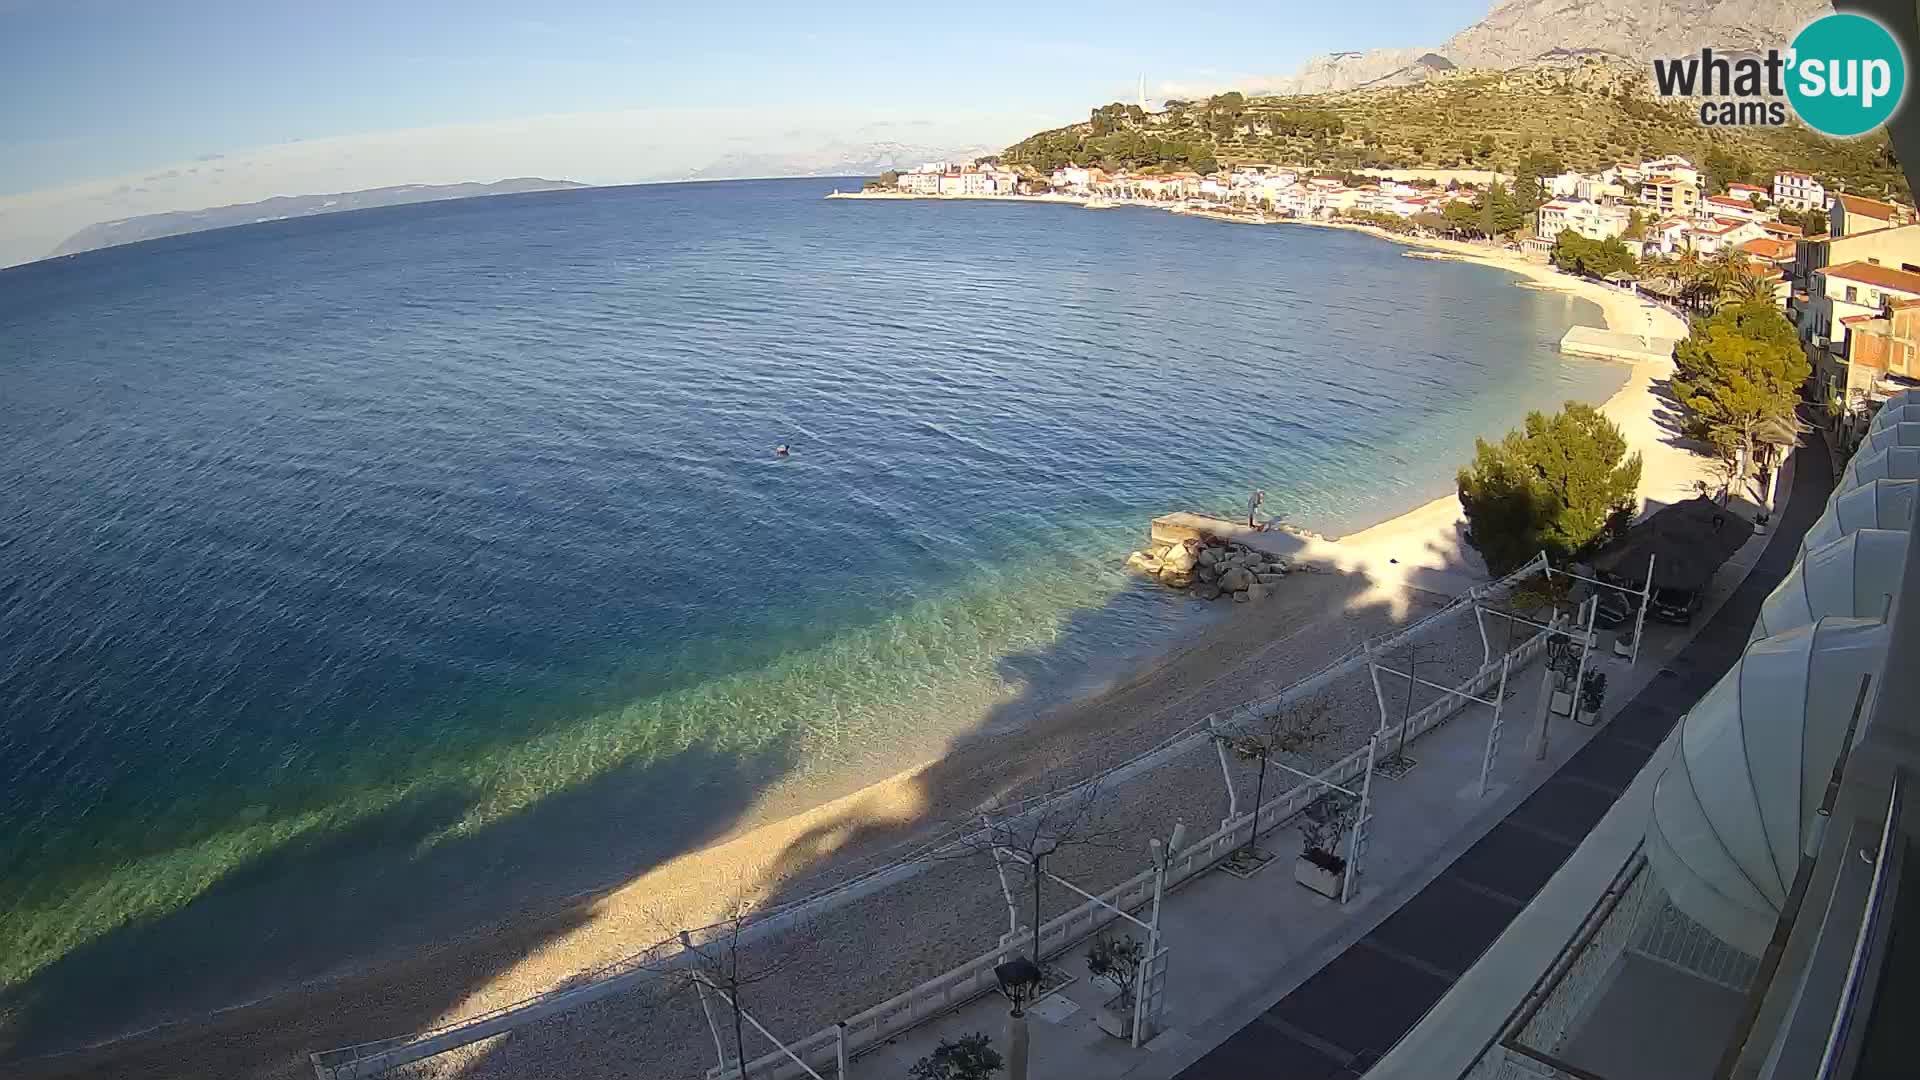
(1253, 505)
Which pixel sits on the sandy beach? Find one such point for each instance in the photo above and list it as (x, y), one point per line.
(1366, 583)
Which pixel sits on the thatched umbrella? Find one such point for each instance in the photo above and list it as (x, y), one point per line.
(1689, 542)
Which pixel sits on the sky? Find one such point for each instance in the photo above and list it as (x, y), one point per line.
(117, 107)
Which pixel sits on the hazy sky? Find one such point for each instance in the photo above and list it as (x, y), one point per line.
(105, 95)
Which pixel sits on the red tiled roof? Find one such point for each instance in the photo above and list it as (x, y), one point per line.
(1851, 319)
(1880, 277)
(1768, 248)
(1872, 208)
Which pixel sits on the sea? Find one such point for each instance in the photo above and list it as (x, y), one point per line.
(370, 576)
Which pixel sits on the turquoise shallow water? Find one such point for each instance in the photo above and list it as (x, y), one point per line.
(331, 547)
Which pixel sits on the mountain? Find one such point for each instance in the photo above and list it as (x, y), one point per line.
(832, 159)
(1571, 111)
(174, 223)
(1517, 33)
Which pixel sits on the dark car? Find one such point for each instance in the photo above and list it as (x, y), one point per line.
(1616, 608)
(1674, 605)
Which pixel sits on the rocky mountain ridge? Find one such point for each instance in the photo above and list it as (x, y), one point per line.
(1518, 33)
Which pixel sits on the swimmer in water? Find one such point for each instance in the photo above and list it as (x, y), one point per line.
(780, 451)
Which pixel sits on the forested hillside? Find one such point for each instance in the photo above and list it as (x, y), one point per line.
(1585, 116)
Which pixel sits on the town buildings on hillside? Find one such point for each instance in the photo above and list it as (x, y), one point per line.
(1850, 295)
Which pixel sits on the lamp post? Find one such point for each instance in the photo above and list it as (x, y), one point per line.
(1019, 980)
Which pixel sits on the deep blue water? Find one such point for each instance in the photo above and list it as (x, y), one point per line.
(472, 505)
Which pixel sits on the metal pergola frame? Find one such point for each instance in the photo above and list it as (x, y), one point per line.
(1357, 836)
(703, 984)
(1151, 925)
(1497, 703)
(1645, 593)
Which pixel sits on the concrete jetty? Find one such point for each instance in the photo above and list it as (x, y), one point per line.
(1609, 345)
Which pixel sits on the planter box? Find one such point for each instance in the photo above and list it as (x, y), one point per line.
(1318, 878)
(1562, 703)
(1115, 1019)
(1622, 645)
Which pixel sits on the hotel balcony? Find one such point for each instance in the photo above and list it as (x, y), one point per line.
(1749, 908)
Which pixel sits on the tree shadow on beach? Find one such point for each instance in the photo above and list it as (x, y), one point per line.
(1671, 419)
(361, 899)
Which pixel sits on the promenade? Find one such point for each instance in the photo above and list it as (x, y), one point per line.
(1266, 978)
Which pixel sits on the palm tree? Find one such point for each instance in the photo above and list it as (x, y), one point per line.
(1748, 287)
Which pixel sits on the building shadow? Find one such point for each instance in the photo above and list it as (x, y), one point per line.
(331, 912)
(355, 900)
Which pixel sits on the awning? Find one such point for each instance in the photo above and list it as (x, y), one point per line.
(1689, 541)
(1880, 504)
(1890, 414)
(1893, 463)
(1736, 806)
(1880, 438)
(1855, 575)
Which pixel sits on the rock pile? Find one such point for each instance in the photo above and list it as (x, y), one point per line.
(1213, 568)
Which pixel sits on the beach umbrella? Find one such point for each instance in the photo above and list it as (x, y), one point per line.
(1877, 504)
(1893, 463)
(1854, 576)
(1890, 414)
(1735, 808)
(1689, 541)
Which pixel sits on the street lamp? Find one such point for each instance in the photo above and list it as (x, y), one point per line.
(1020, 981)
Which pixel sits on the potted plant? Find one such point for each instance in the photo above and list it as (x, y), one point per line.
(970, 1057)
(1320, 866)
(1115, 960)
(1593, 692)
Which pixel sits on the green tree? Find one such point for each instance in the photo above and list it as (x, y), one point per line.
(1737, 369)
(1636, 226)
(1577, 254)
(1563, 484)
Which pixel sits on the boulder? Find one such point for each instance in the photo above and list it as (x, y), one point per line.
(1207, 592)
(1178, 559)
(1207, 556)
(1270, 579)
(1240, 597)
(1175, 579)
(1236, 578)
(1256, 592)
(1144, 563)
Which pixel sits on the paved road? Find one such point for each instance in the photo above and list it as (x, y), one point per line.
(1341, 1021)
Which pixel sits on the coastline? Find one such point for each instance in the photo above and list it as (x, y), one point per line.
(794, 853)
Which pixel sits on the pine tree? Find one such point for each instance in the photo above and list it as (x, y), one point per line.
(1737, 369)
(1564, 484)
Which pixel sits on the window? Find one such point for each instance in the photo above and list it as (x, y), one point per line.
(1853, 295)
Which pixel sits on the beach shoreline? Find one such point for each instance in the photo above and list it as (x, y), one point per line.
(1379, 567)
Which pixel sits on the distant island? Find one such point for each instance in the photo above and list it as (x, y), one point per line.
(174, 223)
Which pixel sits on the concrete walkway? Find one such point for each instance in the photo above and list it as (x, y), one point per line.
(1268, 979)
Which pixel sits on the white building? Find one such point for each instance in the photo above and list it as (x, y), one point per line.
(1672, 165)
(920, 183)
(1798, 191)
(1730, 206)
(1591, 220)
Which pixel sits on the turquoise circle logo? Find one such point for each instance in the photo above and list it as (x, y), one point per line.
(1848, 75)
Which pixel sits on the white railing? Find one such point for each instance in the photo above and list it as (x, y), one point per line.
(974, 977)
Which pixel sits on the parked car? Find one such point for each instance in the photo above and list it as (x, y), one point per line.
(1674, 605)
(1616, 609)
